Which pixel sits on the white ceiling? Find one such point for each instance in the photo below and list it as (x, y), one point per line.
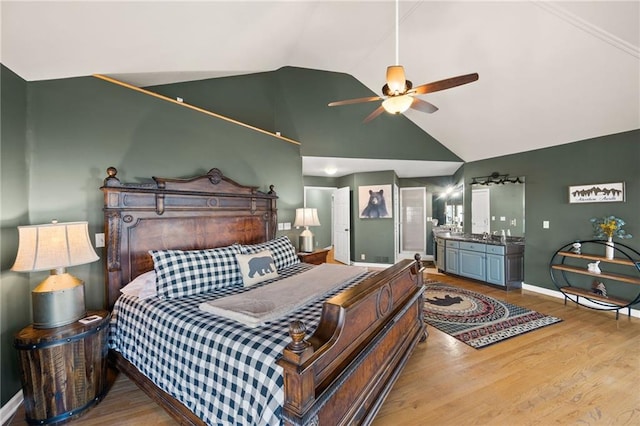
(550, 72)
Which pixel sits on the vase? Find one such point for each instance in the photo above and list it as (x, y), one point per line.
(609, 250)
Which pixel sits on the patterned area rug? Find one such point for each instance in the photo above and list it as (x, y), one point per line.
(476, 319)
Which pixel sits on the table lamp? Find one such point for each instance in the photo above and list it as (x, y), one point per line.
(306, 217)
(59, 299)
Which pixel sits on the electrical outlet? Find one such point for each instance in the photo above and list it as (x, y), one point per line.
(362, 256)
(545, 224)
(99, 240)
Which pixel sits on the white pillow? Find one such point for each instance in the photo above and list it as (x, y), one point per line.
(142, 287)
(256, 267)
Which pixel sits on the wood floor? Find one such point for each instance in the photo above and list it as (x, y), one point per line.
(584, 370)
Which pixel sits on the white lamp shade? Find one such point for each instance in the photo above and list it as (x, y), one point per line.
(397, 104)
(54, 245)
(306, 217)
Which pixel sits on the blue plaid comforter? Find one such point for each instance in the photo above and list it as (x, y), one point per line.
(220, 369)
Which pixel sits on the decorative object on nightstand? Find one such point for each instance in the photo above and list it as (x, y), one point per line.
(59, 299)
(306, 217)
(63, 369)
(315, 258)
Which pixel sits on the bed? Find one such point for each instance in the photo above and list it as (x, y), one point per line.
(330, 362)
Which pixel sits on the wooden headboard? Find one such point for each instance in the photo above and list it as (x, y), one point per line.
(206, 211)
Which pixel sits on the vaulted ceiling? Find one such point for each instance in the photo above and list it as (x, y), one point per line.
(550, 72)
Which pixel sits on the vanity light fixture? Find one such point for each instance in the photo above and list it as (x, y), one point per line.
(495, 177)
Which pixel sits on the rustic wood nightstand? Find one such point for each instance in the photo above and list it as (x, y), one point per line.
(63, 369)
(315, 258)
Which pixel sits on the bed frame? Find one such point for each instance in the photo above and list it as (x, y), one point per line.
(339, 375)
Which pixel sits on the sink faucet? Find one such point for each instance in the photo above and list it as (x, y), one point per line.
(485, 235)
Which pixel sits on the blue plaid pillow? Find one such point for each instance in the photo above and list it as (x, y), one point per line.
(184, 273)
(283, 252)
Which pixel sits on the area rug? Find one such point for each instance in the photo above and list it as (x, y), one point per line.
(476, 319)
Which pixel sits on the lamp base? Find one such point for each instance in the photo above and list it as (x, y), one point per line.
(306, 243)
(59, 307)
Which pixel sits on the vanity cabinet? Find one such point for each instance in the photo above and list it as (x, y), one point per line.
(501, 265)
(472, 258)
(451, 255)
(505, 265)
(440, 253)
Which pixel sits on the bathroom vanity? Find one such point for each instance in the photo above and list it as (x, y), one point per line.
(485, 259)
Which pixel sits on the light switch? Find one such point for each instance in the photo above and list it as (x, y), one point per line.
(280, 226)
(99, 240)
(287, 226)
(545, 224)
(502, 218)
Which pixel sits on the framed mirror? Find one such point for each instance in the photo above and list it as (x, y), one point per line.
(498, 206)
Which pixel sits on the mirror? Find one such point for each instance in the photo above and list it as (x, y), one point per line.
(448, 207)
(498, 206)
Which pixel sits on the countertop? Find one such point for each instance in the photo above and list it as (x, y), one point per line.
(478, 238)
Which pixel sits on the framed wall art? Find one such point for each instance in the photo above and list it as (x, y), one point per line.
(597, 193)
(374, 202)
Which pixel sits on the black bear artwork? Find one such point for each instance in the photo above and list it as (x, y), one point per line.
(261, 265)
(376, 207)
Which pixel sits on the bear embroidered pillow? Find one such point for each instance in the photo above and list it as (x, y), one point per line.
(256, 267)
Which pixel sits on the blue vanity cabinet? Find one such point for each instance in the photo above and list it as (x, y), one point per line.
(505, 265)
(472, 258)
(451, 255)
(495, 265)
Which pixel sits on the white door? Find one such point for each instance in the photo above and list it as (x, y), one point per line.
(413, 221)
(480, 211)
(396, 223)
(341, 226)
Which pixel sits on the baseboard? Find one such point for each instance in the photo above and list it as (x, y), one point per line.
(9, 409)
(556, 293)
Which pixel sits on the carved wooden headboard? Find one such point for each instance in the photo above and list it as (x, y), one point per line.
(186, 214)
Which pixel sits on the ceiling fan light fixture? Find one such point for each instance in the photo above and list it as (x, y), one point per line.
(397, 104)
(396, 80)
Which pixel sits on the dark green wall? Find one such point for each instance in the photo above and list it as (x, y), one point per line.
(15, 298)
(294, 102)
(322, 200)
(372, 237)
(548, 173)
(81, 126)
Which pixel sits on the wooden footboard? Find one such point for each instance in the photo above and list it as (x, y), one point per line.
(343, 372)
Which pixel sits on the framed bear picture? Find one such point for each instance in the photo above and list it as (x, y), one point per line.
(374, 202)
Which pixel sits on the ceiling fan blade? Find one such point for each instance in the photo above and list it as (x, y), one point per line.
(374, 114)
(355, 101)
(423, 106)
(445, 84)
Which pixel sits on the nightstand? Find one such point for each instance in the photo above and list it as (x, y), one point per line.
(315, 258)
(63, 369)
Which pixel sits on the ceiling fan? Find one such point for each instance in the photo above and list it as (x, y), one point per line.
(400, 95)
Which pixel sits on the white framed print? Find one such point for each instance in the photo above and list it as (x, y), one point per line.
(597, 193)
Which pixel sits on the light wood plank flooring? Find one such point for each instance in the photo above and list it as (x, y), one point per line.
(584, 370)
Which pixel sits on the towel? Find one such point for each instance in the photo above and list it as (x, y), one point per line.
(278, 299)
